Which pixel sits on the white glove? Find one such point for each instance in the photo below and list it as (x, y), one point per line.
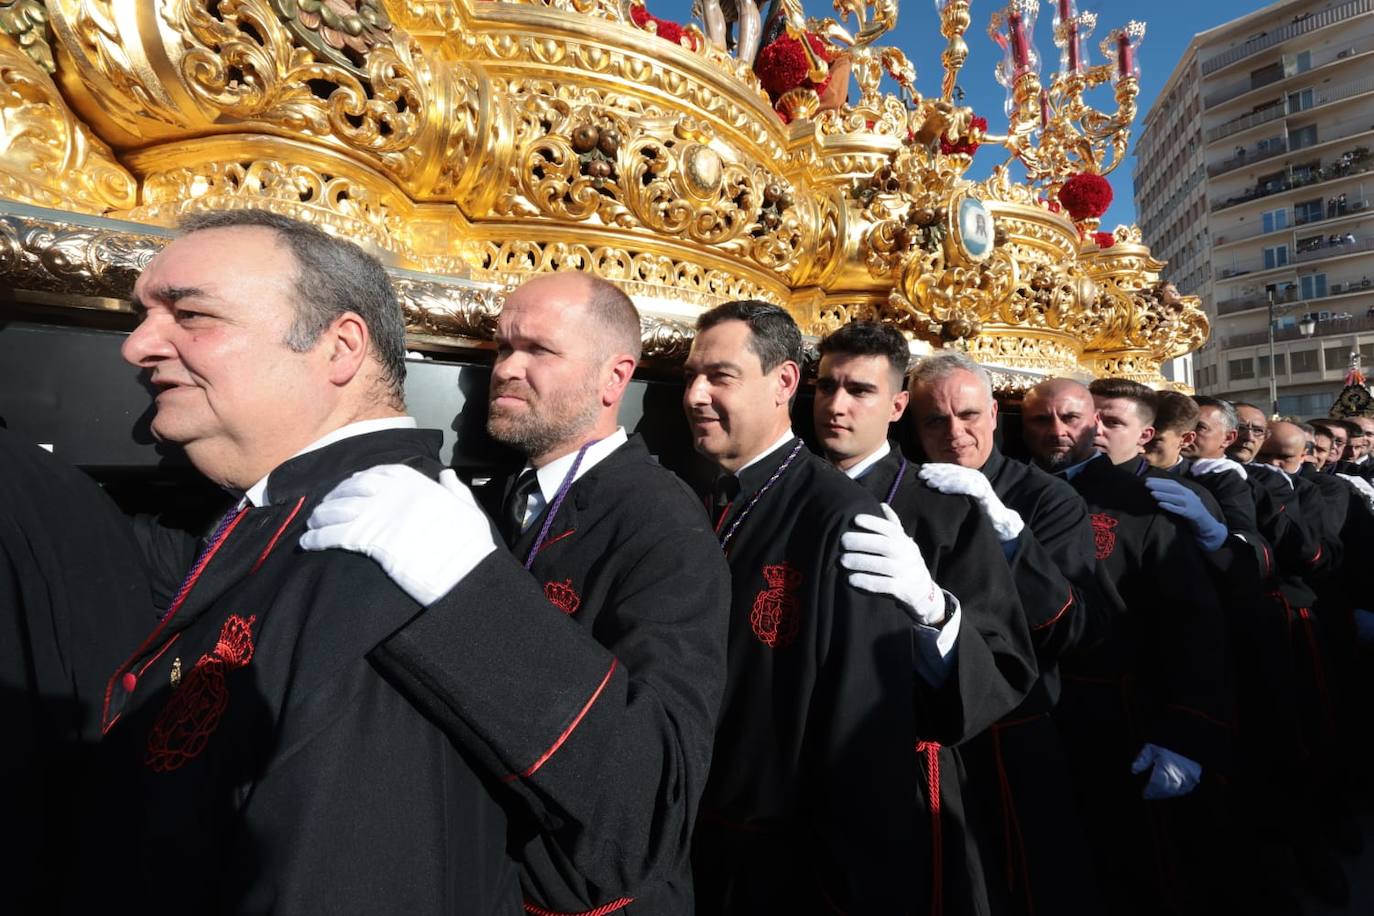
(1216, 466)
(954, 478)
(1173, 775)
(884, 561)
(425, 535)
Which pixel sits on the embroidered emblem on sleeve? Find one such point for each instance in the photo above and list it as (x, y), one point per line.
(1104, 537)
(563, 596)
(185, 725)
(775, 616)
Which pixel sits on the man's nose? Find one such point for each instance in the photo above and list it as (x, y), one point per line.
(147, 345)
(696, 394)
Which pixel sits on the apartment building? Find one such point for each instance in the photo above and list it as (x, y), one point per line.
(1255, 179)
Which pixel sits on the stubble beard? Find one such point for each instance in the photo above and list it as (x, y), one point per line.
(545, 423)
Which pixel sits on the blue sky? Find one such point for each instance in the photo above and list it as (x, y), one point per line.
(1171, 24)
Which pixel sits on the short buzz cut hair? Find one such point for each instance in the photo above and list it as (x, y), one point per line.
(615, 317)
(869, 338)
(333, 277)
(944, 364)
(1229, 419)
(1142, 396)
(1175, 412)
(773, 336)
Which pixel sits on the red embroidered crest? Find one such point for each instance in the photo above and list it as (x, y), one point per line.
(774, 618)
(1104, 537)
(563, 596)
(185, 725)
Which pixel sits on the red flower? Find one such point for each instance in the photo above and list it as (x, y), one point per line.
(1051, 205)
(964, 144)
(667, 29)
(782, 66)
(1104, 239)
(1086, 196)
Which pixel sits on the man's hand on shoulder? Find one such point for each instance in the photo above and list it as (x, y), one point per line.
(426, 535)
(883, 560)
(953, 478)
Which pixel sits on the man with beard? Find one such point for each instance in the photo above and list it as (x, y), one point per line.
(617, 545)
(1017, 773)
(1147, 697)
(252, 758)
(860, 391)
(825, 788)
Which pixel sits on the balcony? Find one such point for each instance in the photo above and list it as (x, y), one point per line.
(1289, 295)
(1351, 208)
(1245, 122)
(1335, 247)
(1354, 162)
(1248, 85)
(1269, 39)
(1257, 152)
(1344, 323)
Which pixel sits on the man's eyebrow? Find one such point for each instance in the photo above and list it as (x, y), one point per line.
(171, 294)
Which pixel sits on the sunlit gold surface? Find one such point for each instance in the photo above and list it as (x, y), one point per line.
(450, 137)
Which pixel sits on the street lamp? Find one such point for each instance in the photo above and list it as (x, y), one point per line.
(1273, 376)
(1308, 325)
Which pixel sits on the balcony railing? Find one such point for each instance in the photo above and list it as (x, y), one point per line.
(1351, 208)
(1344, 324)
(1329, 249)
(1245, 122)
(1289, 294)
(1299, 180)
(1238, 89)
(1258, 152)
(1277, 36)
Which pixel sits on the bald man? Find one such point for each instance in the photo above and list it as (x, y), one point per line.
(624, 612)
(1151, 697)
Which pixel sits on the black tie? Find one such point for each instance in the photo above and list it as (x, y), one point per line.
(513, 512)
(723, 493)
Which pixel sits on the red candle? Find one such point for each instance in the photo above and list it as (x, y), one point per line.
(1073, 47)
(1125, 56)
(1019, 53)
(1044, 108)
(1065, 10)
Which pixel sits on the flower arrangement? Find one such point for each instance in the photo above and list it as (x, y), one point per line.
(1104, 239)
(965, 144)
(1086, 196)
(664, 28)
(782, 67)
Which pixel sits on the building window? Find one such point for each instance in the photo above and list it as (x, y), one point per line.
(1337, 357)
(1275, 219)
(1241, 368)
(1302, 137)
(1264, 364)
(1302, 62)
(1309, 211)
(1299, 101)
(1303, 361)
(1313, 286)
(1366, 356)
(1275, 256)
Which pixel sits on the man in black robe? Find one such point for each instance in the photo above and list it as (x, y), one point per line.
(618, 545)
(74, 600)
(1017, 771)
(1147, 699)
(253, 759)
(860, 390)
(824, 788)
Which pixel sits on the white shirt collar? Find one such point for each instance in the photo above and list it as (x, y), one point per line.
(878, 454)
(782, 440)
(256, 495)
(551, 475)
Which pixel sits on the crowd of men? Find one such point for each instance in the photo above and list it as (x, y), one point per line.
(1113, 678)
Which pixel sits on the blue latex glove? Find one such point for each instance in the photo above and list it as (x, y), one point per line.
(1174, 497)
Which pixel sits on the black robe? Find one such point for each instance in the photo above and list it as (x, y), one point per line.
(1160, 675)
(819, 795)
(965, 558)
(630, 587)
(74, 601)
(255, 760)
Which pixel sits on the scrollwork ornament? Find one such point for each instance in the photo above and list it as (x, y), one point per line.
(59, 257)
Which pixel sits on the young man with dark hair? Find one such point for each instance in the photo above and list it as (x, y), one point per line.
(1146, 698)
(1126, 416)
(842, 676)
(1176, 417)
(860, 391)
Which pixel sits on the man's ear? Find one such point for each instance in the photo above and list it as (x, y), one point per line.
(347, 342)
(617, 372)
(1187, 438)
(899, 402)
(1229, 439)
(789, 379)
(1146, 435)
